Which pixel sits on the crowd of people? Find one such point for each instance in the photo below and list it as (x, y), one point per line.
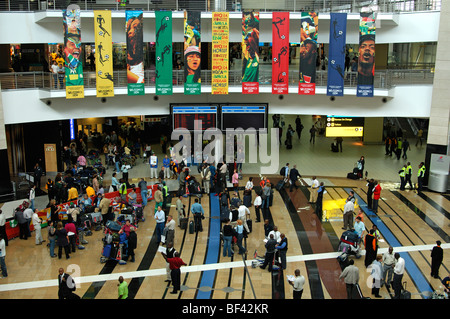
(82, 193)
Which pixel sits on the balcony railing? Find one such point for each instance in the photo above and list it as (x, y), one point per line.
(226, 5)
(384, 79)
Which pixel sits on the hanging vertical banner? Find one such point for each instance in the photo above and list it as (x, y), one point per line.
(250, 52)
(336, 54)
(72, 52)
(309, 29)
(366, 54)
(220, 38)
(135, 52)
(103, 53)
(192, 53)
(280, 52)
(163, 53)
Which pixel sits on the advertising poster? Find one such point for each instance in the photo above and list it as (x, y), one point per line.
(250, 52)
(366, 54)
(135, 52)
(72, 52)
(163, 52)
(192, 53)
(220, 38)
(103, 54)
(309, 29)
(280, 52)
(336, 54)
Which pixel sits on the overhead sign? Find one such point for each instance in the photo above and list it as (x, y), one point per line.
(341, 126)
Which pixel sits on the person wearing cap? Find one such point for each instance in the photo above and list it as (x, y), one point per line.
(308, 57)
(192, 57)
(366, 59)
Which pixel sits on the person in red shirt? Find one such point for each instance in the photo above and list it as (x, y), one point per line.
(376, 196)
(71, 232)
(175, 264)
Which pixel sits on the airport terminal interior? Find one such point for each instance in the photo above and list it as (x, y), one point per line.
(408, 106)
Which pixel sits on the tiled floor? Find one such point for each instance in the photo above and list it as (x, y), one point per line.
(409, 222)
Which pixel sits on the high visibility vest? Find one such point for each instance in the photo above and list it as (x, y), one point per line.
(402, 172)
(409, 170)
(421, 172)
(123, 189)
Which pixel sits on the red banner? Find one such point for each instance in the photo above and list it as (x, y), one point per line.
(280, 52)
(250, 52)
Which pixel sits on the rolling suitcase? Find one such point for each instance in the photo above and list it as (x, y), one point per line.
(248, 200)
(405, 294)
(106, 251)
(280, 185)
(191, 227)
(183, 223)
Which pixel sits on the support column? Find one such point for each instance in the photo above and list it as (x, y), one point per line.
(440, 109)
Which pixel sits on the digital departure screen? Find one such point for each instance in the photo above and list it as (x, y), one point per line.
(344, 126)
(244, 116)
(184, 116)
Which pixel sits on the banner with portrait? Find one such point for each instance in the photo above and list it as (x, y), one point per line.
(336, 54)
(163, 53)
(103, 53)
(135, 52)
(309, 29)
(366, 54)
(250, 52)
(192, 53)
(280, 52)
(73, 53)
(219, 56)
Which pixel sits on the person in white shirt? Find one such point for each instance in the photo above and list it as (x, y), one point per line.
(2, 257)
(32, 196)
(243, 212)
(3, 227)
(388, 266)
(276, 234)
(37, 227)
(399, 269)
(314, 186)
(257, 204)
(249, 185)
(27, 214)
(297, 284)
(349, 208)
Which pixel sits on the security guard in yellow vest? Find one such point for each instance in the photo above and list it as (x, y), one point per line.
(420, 177)
(408, 175)
(402, 174)
(123, 190)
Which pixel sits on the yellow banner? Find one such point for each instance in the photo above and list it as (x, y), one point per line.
(103, 53)
(220, 39)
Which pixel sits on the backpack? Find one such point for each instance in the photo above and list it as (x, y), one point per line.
(283, 171)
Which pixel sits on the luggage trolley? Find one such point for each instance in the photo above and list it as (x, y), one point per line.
(349, 245)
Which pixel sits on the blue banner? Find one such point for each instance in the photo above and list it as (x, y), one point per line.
(366, 54)
(336, 54)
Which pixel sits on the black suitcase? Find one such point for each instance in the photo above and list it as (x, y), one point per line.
(224, 213)
(191, 227)
(183, 223)
(352, 176)
(250, 225)
(405, 294)
(280, 185)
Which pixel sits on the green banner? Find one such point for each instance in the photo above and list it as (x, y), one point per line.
(135, 52)
(192, 53)
(163, 53)
(73, 53)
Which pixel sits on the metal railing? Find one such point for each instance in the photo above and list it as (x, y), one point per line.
(226, 5)
(384, 79)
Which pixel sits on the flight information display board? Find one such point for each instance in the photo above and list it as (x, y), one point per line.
(184, 116)
(244, 116)
(344, 126)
